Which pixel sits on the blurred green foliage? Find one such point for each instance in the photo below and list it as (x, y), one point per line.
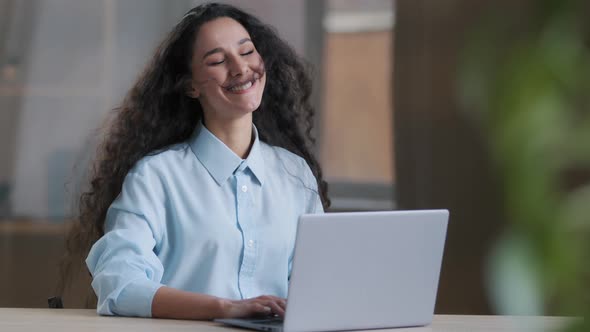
(528, 81)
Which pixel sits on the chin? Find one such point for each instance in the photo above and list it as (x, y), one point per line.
(249, 108)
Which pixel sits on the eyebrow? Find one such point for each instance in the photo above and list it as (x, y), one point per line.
(219, 49)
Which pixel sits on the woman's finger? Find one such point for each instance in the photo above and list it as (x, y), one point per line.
(283, 304)
(265, 309)
(258, 309)
(276, 308)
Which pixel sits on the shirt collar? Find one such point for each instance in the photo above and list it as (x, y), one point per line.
(219, 160)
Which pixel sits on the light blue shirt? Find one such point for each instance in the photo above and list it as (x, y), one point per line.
(199, 218)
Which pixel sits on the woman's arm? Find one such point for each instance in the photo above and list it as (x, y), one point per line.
(127, 273)
(173, 303)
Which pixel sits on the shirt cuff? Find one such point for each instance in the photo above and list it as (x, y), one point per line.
(136, 299)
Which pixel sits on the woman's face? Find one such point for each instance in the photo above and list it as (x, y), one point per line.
(227, 71)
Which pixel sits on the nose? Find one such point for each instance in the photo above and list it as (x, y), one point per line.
(239, 67)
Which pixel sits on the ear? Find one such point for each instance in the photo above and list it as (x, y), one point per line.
(192, 91)
(190, 88)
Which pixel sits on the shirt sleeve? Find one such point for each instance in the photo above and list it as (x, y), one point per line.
(314, 204)
(125, 270)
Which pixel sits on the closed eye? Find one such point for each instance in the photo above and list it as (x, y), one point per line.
(222, 61)
(216, 63)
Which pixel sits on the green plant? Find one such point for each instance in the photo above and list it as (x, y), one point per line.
(530, 87)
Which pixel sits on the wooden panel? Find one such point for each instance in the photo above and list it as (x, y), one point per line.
(443, 159)
(357, 139)
(29, 256)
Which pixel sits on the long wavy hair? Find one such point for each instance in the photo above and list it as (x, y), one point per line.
(157, 113)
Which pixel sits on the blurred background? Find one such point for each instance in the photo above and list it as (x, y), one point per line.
(478, 107)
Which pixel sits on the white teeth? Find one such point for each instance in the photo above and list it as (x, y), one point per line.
(242, 87)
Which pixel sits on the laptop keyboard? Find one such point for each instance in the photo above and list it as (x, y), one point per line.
(268, 321)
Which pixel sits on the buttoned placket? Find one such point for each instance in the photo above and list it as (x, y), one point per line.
(248, 228)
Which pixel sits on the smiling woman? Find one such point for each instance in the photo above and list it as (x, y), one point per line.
(227, 71)
(196, 190)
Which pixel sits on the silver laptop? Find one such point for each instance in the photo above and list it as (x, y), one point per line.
(362, 270)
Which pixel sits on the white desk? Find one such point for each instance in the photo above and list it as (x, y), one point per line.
(79, 320)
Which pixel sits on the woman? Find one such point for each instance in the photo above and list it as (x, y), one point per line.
(197, 189)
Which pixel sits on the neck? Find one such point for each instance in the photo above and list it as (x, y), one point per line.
(235, 133)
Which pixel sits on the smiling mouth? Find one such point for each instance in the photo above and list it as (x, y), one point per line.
(244, 85)
(241, 86)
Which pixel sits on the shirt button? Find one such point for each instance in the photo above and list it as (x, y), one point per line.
(244, 188)
(250, 243)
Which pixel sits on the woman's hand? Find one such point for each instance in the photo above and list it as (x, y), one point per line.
(265, 305)
(173, 303)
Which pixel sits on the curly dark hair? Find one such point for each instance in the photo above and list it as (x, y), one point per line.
(157, 113)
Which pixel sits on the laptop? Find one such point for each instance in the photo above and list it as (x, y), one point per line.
(361, 270)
